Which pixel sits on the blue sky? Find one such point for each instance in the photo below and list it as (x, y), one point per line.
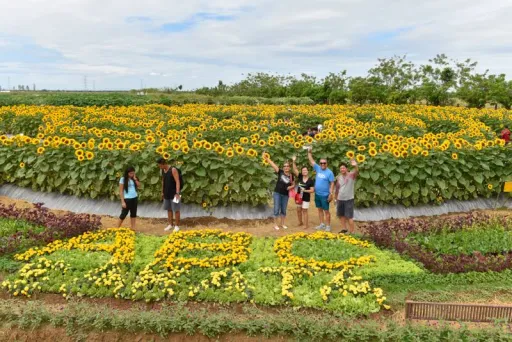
(121, 44)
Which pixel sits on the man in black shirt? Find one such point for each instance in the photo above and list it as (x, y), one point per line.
(171, 193)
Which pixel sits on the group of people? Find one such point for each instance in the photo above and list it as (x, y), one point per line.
(172, 182)
(325, 187)
(290, 183)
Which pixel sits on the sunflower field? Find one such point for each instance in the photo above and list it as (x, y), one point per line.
(408, 154)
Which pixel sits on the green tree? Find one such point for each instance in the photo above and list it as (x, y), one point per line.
(398, 78)
(437, 79)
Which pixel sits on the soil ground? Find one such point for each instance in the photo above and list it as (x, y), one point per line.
(255, 227)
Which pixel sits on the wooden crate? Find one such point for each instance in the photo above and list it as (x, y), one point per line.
(457, 312)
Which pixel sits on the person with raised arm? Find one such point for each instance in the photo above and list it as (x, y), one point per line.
(324, 191)
(345, 185)
(285, 182)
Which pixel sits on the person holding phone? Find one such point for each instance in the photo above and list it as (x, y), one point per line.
(306, 186)
(128, 185)
(171, 193)
(345, 189)
(285, 182)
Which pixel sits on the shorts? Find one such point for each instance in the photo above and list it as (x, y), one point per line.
(170, 205)
(345, 208)
(321, 202)
(131, 206)
(304, 205)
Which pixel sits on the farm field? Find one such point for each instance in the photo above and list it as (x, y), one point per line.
(239, 279)
(409, 154)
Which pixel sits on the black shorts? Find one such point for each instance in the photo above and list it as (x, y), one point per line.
(131, 206)
(345, 209)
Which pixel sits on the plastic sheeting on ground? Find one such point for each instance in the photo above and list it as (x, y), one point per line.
(113, 208)
(237, 212)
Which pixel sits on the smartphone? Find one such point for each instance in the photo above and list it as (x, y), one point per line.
(176, 200)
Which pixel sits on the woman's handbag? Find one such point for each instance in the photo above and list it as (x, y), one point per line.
(298, 198)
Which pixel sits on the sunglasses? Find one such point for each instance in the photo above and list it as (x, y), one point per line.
(323, 163)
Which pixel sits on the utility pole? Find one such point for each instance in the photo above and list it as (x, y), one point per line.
(85, 83)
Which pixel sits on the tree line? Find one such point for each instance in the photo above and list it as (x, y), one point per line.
(441, 81)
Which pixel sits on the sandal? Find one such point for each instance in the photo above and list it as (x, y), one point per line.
(285, 227)
(276, 227)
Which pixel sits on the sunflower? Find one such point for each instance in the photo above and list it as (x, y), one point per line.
(385, 147)
(46, 143)
(360, 158)
(244, 140)
(219, 149)
(207, 145)
(81, 158)
(167, 155)
(134, 147)
(22, 165)
(350, 154)
(176, 146)
(79, 153)
(89, 155)
(230, 153)
(40, 150)
(120, 146)
(424, 153)
(373, 145)
(262, 143)
(404, 154)
(160, 149)
(204, 204)
(252, 153)
(489, 186)
(239, 149)
(372, 152)
(226, 188)
(396, 153)
(185, 149)
(455, 156)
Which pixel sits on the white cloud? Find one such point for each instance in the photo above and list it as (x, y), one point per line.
(97, 39)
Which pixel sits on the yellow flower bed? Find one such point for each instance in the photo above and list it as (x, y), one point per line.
(199, 265)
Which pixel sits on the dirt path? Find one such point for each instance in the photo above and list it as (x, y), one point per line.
(254, 227)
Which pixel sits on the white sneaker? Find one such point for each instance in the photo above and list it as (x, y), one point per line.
(169, 227)
(320, 227)
(176, 229)
(328, 228)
